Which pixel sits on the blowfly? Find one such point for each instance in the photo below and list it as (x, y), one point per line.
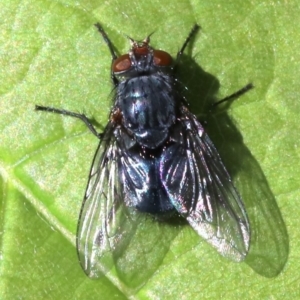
(154, 158)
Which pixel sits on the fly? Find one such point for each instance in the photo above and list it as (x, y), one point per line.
(154, 158)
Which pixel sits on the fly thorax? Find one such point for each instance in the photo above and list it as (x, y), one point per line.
(148, 106)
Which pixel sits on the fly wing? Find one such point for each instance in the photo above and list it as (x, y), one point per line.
(201, 189)
(100, 226)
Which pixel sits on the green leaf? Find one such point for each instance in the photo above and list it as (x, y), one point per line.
(51, 54)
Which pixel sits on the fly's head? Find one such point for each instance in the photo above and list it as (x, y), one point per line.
(142, 59)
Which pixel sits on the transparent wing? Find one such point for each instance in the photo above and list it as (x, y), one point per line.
(100, 225)
(201, 189)
(111, 232)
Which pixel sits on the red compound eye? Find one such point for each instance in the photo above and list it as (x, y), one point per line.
(161, 58)
(122, 63)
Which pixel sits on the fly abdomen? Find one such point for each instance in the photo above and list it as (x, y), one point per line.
(139, 173)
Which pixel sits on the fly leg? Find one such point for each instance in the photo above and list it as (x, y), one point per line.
(112, 51)
(192, 33)
(236, 94)
(233, 96)
(81, 117)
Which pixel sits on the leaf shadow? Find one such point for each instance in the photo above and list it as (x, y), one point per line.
(269, 245)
